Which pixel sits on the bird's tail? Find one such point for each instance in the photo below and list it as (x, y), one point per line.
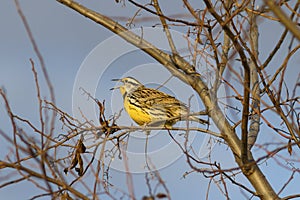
(196, 119)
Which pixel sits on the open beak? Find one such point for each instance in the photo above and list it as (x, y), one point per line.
(116, 79)
(116, 87)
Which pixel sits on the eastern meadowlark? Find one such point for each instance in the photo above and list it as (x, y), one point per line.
(147, 106)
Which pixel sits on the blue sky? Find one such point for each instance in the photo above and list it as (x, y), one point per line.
(65, 40)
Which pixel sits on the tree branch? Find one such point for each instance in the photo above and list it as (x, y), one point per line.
(255, 90)
(180, 70)
(284, 19)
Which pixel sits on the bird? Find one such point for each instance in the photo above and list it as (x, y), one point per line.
(151, 107)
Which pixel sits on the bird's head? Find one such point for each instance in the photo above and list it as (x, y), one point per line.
(129, 85)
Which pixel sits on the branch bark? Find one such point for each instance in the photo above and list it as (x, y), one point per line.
(255, 90)
(41, 176)
(284, 19)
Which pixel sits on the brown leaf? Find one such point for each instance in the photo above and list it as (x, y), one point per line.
(66, 170)
(80, 148)
(80, 163)
(289, 147)
(161, 195)
(148, 198)
(74, 161)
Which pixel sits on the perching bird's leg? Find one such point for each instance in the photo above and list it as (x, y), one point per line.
(144, 127)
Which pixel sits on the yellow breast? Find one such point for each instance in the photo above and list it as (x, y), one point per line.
(136, 113)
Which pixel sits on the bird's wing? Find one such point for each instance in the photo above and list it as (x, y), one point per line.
(161, 103)
(153, 97)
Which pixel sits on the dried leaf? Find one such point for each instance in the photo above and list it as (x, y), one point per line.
(289, 147)
(80, 163)
(161, 195)
(66, 170)
(80, 148)
(148, 198)
(74, 161)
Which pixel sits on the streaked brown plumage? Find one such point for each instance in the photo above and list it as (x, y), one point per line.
(147, 106)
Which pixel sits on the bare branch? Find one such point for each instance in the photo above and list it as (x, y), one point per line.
(284, 19)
